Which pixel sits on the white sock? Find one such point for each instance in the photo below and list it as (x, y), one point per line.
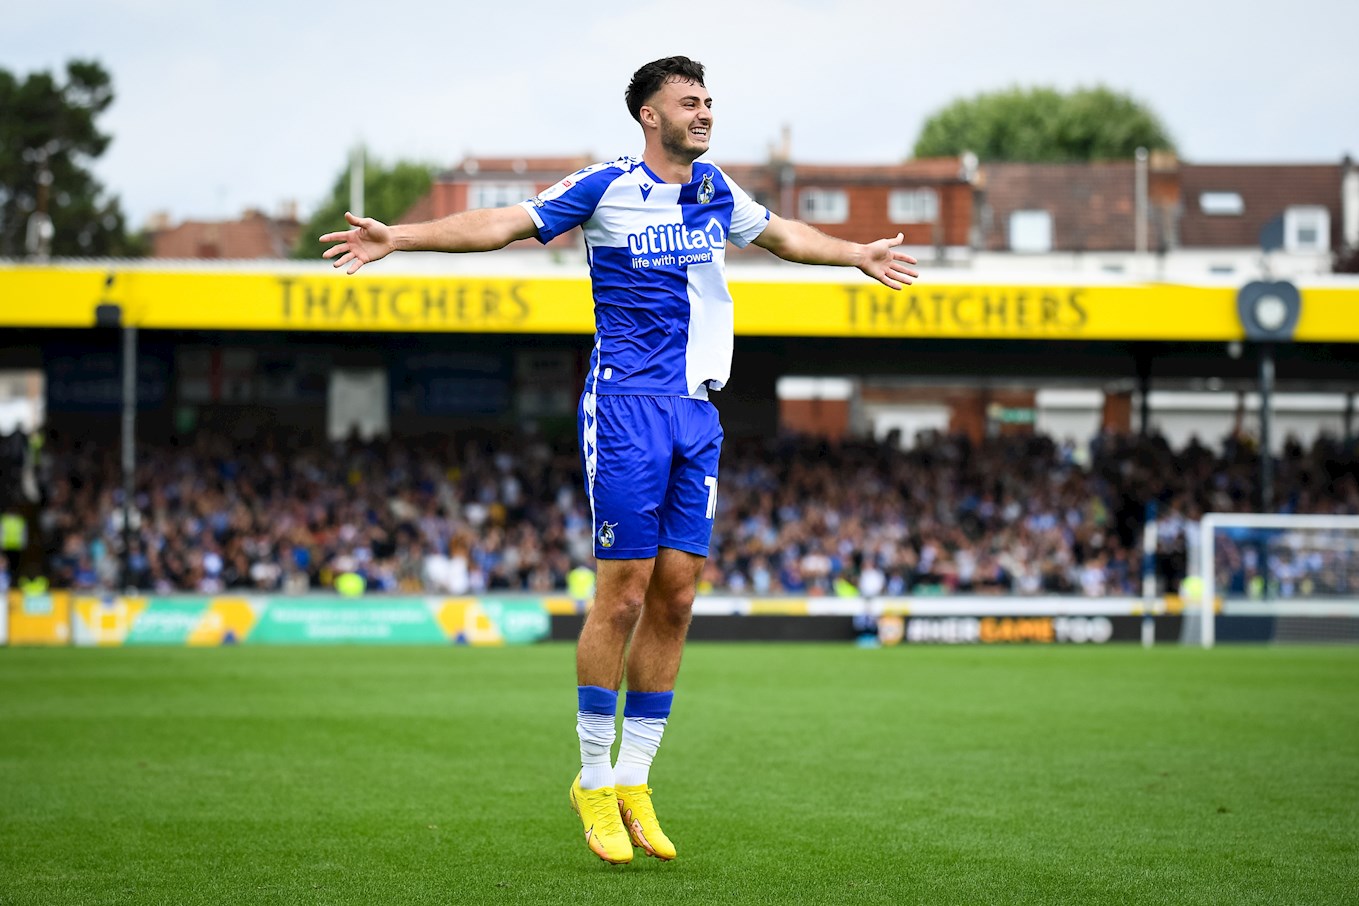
(597, 733)
(641, 739)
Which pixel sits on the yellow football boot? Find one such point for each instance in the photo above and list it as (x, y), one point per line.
(639, 816)
(604, 834)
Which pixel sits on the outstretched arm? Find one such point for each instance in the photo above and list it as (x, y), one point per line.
(793, 240)
(470, 231)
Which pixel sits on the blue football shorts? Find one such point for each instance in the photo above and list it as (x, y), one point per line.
(650, 467)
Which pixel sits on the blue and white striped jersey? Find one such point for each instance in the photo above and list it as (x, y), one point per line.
(657, 252)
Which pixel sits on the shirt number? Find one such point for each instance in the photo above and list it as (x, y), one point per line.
(711, 482)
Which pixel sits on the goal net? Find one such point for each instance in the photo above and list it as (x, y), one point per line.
(1273, 577)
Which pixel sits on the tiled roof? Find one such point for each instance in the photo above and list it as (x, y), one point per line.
(253, 236)
(1265, 190)
(932, 169)
(764, 176)
(1092, 205)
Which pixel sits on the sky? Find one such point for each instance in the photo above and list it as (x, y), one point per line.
(222, 107)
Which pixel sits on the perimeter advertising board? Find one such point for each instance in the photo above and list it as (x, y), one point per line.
(992, 630)
(114, 621)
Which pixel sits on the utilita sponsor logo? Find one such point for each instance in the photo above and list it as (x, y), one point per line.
(676, 237)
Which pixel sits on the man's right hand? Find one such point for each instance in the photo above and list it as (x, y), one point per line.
(369, 240)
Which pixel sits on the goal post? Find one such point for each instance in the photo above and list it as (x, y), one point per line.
(1341, 600)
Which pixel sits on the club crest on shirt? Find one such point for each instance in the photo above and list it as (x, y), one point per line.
(606, 536)
(705, 189)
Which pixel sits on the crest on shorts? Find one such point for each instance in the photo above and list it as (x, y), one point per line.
(606, 536)
(705, 189)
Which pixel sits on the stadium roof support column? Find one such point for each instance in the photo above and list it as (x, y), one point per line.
(1266, 404)
(750, 405)
(1143, 358)
(129, 447)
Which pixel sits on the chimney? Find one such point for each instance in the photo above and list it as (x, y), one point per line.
(1163, 161)
(1349, 203)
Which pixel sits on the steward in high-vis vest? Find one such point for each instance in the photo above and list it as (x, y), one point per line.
(580, 585)
(13, 532)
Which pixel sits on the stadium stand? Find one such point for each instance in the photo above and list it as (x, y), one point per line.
(473, 513)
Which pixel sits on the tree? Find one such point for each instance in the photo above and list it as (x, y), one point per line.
(388, 193)
(1043, 125)
(48, 137)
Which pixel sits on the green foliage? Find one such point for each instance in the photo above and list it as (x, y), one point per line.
(50, 126)
(388, 193)
(1043, 125)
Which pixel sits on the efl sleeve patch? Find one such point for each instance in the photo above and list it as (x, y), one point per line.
(568, 203)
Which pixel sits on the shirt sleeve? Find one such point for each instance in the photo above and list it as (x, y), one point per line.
(569, 203)
(748, 217)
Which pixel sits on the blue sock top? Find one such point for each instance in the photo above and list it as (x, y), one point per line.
(597, 700)
(648, 704)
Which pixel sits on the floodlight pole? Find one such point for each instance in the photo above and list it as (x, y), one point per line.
(356, 179)
(1141, 204)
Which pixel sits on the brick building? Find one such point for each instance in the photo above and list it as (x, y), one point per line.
(1202, 221)
(1191, 221)
(254, 235)
(929, 201)
(490, 182)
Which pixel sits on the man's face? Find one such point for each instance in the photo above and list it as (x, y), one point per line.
(684, 109)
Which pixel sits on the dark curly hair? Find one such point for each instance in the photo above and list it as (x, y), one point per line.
(649, 79)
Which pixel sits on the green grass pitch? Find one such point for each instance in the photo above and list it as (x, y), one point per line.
(789, 774)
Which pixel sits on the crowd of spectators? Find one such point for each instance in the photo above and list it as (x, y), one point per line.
(1016, 515)
(285, 514)
(474, 513)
